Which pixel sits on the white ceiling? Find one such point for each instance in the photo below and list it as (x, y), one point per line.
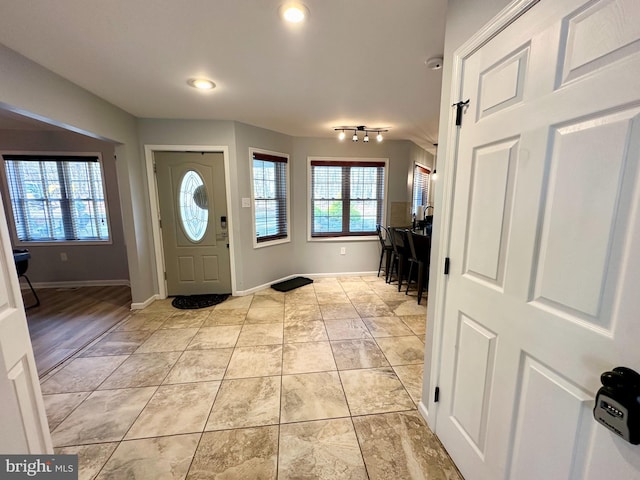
(354, 62)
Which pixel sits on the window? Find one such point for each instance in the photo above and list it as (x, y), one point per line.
(347, 197)
(57, 197)
(270, 202)
(420, 188)
(193, 205)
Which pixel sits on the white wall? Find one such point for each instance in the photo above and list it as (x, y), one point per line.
(29, 89)
(108, 262)
(464, 19)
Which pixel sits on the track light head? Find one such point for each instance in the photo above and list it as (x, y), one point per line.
(341, 135)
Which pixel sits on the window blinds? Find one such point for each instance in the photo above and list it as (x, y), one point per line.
(347, 197)
(270, 196)
(420, 188)
(57, 197)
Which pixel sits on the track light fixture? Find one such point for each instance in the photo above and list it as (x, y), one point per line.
(360, 128)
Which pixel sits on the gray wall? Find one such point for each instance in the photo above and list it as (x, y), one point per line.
(361, 255)
(261, 265)
(106, 262)
(464, 19)
(256, 267)
(31, 90)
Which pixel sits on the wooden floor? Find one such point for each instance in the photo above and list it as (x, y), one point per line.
(68, 319)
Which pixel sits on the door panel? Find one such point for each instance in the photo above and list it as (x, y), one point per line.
(545, 244)
(24, 423)
(192, 200)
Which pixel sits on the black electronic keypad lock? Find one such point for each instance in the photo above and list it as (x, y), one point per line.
(618, 403)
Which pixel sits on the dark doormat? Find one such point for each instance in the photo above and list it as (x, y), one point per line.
(185, 302)
(291, 284)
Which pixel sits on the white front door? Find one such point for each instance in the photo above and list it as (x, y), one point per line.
(193, 210)
(542, 294)
(23, 423)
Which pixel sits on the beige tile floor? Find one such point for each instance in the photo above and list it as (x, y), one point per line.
(320, 382)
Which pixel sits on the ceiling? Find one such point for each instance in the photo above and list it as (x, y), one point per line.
(353, 62)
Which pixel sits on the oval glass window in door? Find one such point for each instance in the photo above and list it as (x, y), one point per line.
(193, 204)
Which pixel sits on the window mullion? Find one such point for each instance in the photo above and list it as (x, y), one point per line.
(65, 203)
(46, 203)
(346, 198)
(93, 199)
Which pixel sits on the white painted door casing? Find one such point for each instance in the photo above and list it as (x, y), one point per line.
(544, 241)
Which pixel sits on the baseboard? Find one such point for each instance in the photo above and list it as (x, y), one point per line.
(424, 413)
(146, 303)
(77, 284)
(242, 293)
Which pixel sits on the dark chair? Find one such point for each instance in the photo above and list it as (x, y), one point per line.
(412, 260)
(400, 254)
(420, 246)
(385, 248)
(21, 259)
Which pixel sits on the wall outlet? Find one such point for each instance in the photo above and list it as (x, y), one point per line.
(343, 250)
(63, 257)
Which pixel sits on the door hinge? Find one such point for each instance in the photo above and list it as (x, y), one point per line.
(436, 395)
(446, 266)
(165, 275)
(155, 168)
(160, 223)
(460, 107)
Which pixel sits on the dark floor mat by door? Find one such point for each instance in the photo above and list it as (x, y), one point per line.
(185, 302)
(291, 284)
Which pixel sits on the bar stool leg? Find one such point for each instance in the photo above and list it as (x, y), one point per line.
(37, 304)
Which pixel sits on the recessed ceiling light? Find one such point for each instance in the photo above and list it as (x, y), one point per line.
(293, 12)
(201, 83)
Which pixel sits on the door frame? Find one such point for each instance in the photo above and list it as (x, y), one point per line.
(502, 20)
(158, 246)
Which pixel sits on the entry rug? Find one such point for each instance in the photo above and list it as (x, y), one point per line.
(186, 302)
(291, 284)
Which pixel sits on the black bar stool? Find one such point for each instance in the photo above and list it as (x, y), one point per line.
(21, 259)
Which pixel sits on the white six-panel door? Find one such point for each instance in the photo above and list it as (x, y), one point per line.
(543, 293)
(23, 423)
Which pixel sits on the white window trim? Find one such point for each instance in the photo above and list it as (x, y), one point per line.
(11, 217)
(309, 194)
(278, 241)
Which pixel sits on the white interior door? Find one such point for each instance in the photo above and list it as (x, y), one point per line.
(193, 211)
(542, 295)
(23, 422)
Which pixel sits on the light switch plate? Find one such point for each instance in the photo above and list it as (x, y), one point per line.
(246, 202)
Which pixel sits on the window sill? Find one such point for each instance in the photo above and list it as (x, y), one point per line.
(362, 238)
(270, 243)
(56, 243)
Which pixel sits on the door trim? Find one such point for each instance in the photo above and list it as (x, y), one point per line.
(158, 246)
(502, 20)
